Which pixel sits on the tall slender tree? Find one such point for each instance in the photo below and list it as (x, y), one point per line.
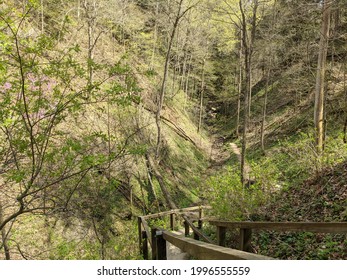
(202, 88)
(248, 45)
(320, 78)
(180, 13)
(239, 85)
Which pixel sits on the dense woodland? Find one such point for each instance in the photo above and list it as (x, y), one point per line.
(111, 109)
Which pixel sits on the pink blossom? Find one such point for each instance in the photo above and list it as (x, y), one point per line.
(31, 77)
(50, 85)
(7, 86)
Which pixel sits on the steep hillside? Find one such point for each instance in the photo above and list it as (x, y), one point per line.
(112, 109)
(291, 181)
(323, 198)
(78, 143)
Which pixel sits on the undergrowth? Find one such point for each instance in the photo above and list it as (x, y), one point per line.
(293, 183)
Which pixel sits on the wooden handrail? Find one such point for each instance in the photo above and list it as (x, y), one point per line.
(206, 251)
(176, 211)
(209, 251)
(197, 231)
(182, 212)
(319, 227)
(146, 235)
(146, 227)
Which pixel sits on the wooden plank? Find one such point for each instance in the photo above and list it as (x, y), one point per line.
(139, 230)
(221, 235)
(161, 245)
(197, 231)
(200, 224)
(201, 216)
(287, 226)
(186, 229)
(245, 239)
(145, 245)
(154, 243)
(204, 219)
(147, 229)
(172, 221)
(176, 211)
(204, 251)
(196, 236)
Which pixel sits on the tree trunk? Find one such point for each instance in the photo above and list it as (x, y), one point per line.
(42, 18)
(186, 86)
(248, 41)
(345, 93)
(202, 94)
(183, 72)
(262, 132)
(269, 69)
(90, 15)
(155, 37)
(244, 177)
(239, 86)
(4, 238)
(320, 78)
(176, 70)
(165, 75)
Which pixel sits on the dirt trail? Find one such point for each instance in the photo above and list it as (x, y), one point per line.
(237, 152)
(220, 154)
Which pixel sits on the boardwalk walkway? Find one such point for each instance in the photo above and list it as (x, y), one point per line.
(175, 253)
(165, 243)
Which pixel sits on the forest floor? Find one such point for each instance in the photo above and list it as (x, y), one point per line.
(322, 198)
(221, 152)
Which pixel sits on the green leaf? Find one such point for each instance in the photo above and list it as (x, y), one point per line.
(8, 122)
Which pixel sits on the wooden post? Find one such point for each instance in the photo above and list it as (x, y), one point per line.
(245, 239)
(196, 236)
(139, 227)
(161, 245)
(201, 214)
(172, 221)
(200, 224)
(154, 244)
(186, 228)
(144, 245)
(221, 235)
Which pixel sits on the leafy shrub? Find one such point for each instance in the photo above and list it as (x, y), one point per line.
(229, 199)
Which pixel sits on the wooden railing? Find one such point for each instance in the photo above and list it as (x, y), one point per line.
(206, 251)
(247, 227)
(147, 235)
(157, 237)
